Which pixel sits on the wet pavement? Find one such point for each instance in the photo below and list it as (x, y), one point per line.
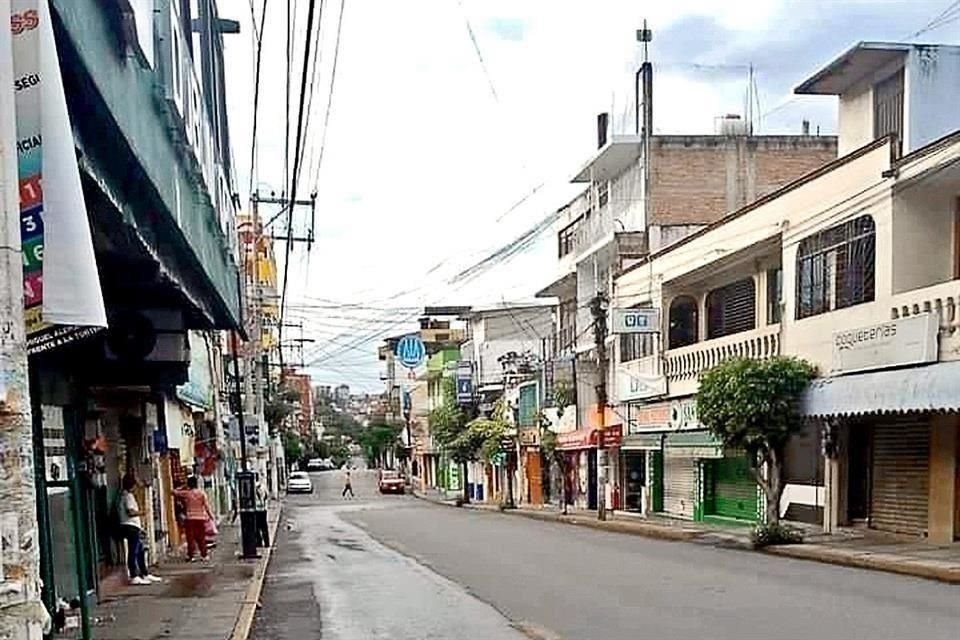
(329, 579)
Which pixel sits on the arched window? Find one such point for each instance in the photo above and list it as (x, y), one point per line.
(684, 322)
(835, 267)
(732, 308)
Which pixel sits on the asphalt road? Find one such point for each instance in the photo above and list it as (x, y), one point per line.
(398, 568)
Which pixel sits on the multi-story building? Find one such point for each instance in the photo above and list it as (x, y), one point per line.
(143, 88)
(853, 267)
(632, 206)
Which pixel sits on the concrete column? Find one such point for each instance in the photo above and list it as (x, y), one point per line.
(943, 472)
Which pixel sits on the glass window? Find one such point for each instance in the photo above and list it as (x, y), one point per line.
(684, 322)
(835, 268)
(732, 309)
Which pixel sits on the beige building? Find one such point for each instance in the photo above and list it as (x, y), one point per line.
(854, 267)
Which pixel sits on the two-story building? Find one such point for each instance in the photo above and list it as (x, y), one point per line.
(632, 206)
(853, 267)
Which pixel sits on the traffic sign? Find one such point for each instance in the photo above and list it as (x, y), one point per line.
(411, 351)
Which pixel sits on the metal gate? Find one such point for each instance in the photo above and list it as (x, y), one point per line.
(679, 485)
(734, 488)
(900, 479)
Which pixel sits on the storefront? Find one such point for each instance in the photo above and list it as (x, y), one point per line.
(640, 456)
(730, 489)
(531, 461)
(891, 436)
(580, 467)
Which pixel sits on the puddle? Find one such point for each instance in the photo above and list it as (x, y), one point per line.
(192, 585)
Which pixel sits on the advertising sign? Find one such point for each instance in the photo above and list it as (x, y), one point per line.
(411, 351)
(635, 321)
(899, 342)
(635, 384)
(62, 298)
(464, 383)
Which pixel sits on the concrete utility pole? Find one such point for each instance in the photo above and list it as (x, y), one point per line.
(598, 308)
(22, 614)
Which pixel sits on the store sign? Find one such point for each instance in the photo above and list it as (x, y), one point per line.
(410, 351)
(529, 437)
(635, 384)
(464, 382)
(635, 321)
(899, 342)
(683, 415)
(655, 417)
(580, 439)
(611, 436)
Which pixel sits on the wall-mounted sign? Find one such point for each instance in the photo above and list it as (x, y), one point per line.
(900, 342)
(654, 417)
(529, 437)
(411, 351)
(683, 415)
(464, 382)
(635, 321)
(611, 436)
(633, 383)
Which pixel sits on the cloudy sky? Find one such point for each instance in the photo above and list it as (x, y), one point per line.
(445, 114)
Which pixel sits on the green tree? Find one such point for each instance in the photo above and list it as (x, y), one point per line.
(278, 405)
(377, 439)
(293, 448)
(447, 423)
(753, 405)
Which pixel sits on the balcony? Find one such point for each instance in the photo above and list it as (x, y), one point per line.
(687, 363)
(942, 299)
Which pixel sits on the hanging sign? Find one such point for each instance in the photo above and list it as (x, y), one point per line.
(411, 351)
(635, 321)
(62, 298)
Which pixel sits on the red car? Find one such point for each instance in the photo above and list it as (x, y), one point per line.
(391, 482)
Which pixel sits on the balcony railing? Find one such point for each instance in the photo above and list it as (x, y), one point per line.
(942, 299)
(689, 362)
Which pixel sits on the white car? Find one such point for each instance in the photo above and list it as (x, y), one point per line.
(299, 482)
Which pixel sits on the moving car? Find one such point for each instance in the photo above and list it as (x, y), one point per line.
(391, 482)
(299, 482)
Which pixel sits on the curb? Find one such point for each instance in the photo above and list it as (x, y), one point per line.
(889, 563)
(251, 598)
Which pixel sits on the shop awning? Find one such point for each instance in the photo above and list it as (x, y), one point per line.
(932, 388)
(579, 439)
(694, 444)
(642, 441)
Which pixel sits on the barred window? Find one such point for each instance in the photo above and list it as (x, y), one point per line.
(634, 346)
(835, 268)
(684, 322)
(732, 309)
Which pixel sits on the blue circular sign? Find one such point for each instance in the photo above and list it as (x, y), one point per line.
(411, 351)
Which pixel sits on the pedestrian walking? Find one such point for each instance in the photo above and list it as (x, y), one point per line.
(347, 486)
(131, 527)
(197, 513)
(263, 530)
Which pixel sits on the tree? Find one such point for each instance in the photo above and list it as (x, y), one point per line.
(447, 422)
(280, 404)
(377, 439)
(753, 405)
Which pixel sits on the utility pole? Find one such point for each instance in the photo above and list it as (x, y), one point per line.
(24, 613)
(598, 309)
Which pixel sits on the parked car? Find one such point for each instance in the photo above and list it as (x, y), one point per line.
(316, 464)
(391, 482)
(299, 482)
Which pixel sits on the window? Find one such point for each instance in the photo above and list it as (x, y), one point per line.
(835, 268)
(888, 107)
(634, 346)
(567, 238)
(774, 294)
(732, 309)
(684, 322)
(603, 194)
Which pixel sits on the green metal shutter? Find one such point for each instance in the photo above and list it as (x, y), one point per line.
(734, 489)
(900, 486)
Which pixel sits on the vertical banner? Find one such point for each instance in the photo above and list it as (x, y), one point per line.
(62, 297)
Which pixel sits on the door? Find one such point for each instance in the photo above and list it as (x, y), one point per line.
(858, 473)
(734, 489)
(534, 476)
(634, 478)
(901, 477)
(679, 485)
(591, 479)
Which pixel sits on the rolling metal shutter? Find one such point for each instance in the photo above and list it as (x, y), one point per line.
(679, 485)
(735, 488)
(899, 491)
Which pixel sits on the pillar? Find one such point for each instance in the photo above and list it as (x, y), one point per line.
(943, 472)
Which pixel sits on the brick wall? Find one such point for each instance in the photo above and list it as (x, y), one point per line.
(698, 179)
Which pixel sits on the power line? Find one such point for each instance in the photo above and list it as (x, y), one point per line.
(256, 83)
(296, 163)
(333, 80)
(476, 48)
(948, 15)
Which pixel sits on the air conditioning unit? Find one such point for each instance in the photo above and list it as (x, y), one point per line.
(147, 335)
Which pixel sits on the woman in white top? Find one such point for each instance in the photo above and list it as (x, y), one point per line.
(132, 528)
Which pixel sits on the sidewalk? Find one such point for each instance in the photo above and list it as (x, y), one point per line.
(196, 601)
(863, 549)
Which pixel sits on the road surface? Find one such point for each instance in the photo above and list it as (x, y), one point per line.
(394, 567)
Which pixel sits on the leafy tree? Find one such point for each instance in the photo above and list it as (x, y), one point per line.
(278, 405)
(447, 422)
(293, 447)
(752, 405)
(377, 439)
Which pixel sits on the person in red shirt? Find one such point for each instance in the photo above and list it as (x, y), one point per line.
(197, 513)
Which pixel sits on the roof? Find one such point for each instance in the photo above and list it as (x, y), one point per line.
(503, 307)
(611, 159)
(929, 388)
(853, 65)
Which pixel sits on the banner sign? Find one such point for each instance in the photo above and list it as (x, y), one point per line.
(635, 321)
(464, 383)
(62, 298)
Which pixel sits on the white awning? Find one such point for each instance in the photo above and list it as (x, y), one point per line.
(917, 389)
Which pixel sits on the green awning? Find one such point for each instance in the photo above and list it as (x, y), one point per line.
(694, 444)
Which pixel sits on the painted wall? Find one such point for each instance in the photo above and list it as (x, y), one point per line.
(855, 121)
(923, 236)
(932, 87)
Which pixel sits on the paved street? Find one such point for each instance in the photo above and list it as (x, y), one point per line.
(360, 570)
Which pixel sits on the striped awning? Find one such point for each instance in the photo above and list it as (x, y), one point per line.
(935, 387)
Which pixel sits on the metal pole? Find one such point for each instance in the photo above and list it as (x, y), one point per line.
(25, 609)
